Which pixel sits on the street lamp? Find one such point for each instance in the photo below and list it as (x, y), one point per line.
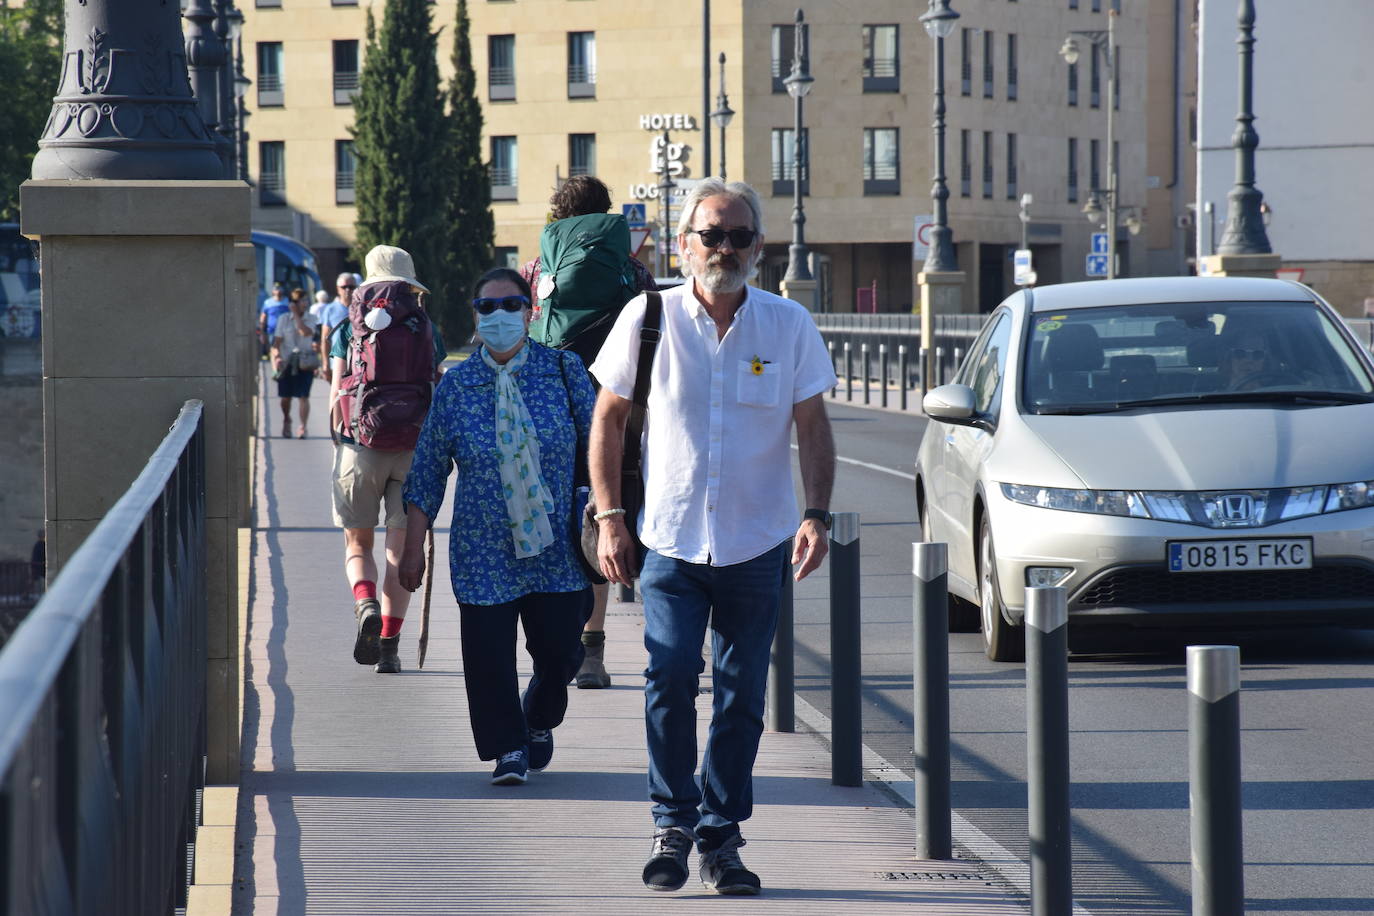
(1026, 201)
(1244, 232)
(939, 23)
(1104, 43)
(665, 189)
(723, 114)
(798, 84)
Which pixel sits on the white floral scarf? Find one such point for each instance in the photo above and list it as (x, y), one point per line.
(528, 503)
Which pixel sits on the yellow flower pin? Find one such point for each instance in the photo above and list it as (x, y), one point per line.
(756, 365)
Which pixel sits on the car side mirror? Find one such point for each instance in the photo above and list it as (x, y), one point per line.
(950, 404)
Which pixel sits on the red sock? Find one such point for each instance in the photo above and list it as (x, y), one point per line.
(364, 589)
(391, 626)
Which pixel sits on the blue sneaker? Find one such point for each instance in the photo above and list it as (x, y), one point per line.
(512, 769)
(541, 748)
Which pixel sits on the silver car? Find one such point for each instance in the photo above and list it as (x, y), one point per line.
(1169, 450)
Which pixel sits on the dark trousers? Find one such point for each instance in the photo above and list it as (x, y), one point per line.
(553, 621)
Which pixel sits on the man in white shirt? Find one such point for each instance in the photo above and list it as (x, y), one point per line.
(335, 313)
(735, 369)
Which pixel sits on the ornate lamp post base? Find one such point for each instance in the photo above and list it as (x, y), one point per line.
(941, 292)
(1240, 265)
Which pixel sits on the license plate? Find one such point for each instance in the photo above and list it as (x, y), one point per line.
(1248, 554)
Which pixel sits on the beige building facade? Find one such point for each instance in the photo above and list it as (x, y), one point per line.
(590, 86)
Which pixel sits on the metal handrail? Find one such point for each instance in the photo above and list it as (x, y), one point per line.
(103, 740)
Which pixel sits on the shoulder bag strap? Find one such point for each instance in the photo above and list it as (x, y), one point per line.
(649, 336)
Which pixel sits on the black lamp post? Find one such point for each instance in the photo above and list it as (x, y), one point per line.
(1105, 44)
(241, 84)
(1245, 233)
(798, 84)
(665, 189)
(939, 23)
(723, 114)
(229, 28)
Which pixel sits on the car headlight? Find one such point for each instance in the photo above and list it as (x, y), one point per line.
(1350, 496)
(1099, 502)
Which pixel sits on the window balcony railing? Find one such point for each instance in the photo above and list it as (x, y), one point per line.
(501, 84)
(581, 81)
(272, 189)
(881, 75)
(343, 188)
(270, 91)
(345, 87)
(783, 173)
(503, 184)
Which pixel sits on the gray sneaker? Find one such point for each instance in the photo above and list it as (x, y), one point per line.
(722, 870)
(666, 869)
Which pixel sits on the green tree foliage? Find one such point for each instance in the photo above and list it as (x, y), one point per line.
(399, 137)
(470, 228)
(30, 66)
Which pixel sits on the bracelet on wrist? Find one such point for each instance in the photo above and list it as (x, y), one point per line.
(608, 513)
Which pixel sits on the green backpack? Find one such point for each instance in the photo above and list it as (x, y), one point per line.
(584, 280)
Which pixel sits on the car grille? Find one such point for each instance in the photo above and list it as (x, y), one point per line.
(1138, 587)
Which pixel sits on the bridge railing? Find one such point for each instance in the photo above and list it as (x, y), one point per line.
(102, 687)
(954, 334)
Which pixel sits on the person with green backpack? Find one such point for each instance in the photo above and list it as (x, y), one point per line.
(582, 278)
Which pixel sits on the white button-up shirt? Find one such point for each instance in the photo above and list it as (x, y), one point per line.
(717, 438)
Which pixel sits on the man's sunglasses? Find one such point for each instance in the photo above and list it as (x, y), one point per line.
(711, 238)
(1242, 353)
(486, 306)
(348, 286)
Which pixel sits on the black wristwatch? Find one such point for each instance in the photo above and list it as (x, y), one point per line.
(820, 515)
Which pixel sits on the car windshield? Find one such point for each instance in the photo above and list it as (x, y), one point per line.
(1121, 357)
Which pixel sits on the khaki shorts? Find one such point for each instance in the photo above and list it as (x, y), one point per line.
(362, 478)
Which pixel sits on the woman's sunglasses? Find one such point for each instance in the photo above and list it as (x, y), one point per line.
(1242, 353)
(506, 303)
(711, 238)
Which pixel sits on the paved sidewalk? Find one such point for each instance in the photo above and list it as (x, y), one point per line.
(362, 793)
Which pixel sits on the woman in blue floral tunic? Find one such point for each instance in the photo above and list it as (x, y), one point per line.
(511, 419)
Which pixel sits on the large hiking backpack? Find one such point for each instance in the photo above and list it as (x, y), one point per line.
(390, 380)
(584, 280)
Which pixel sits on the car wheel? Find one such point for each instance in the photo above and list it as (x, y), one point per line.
(1002, 641)
(963, 615)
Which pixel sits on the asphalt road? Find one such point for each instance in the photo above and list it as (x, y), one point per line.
(1307, 715)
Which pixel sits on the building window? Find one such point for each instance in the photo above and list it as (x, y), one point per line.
(343, 2)
(1073, 84)
(881, 161)
(1073, 4)
(501, 68)
(1095, 79)
(1097, 6)
(1094, 174)
(345, 166)
(987, 64)
(1116, 77)
(270, 89)
(345, 71)
(581, 154)
(581, 65)
(1011, 167)
(1073, 170)
(272, 173)
(965, 166)
(784, 46)
(880, 59)
(504, 168)
(268, 4)
(1011, 67)
(965, 61)
(506, 256)
(987, 164)
(784, 164)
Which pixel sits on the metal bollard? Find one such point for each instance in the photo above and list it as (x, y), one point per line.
(958, 359)
(846, 714)
(930, 681)
(626, 593)
(830, 348)
(848, 373)
(882, 371)
(863, 361)
(1214, 780)
(902, 379)
(782, 707)
(1047, 750)
(937, 368)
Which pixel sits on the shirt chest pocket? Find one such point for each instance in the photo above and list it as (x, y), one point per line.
(758, 384)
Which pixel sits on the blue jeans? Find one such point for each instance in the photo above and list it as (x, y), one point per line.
(740, 603)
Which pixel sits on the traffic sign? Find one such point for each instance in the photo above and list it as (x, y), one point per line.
(638, 236)
(920, 239)
(1021, 267)
(1097, 265)
(1099, 243)
(634, 214)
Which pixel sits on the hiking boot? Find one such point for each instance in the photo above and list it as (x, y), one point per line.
(666, 869)
(512, 769)
(541, 748)
(592, 674)
(723, 872)
(388, 661)
(366, 648)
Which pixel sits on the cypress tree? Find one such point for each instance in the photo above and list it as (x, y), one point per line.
(399, 135)
(470, 229)
(30, 66)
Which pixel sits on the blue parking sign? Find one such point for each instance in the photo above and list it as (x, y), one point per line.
(634, 214)
(1097, 265)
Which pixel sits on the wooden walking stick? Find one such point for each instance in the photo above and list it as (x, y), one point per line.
(424, 608)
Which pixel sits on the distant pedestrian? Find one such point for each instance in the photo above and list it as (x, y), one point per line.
(584, 195)
(295, 358)
(271, 310)
(510, 418)
(334, 313)
(38, 565)
(384, 361)
(736, 370)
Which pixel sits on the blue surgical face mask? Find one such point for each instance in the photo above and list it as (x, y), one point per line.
(501, 331)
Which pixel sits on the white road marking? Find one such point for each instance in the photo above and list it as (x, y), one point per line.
(872, 467)
(988, 850)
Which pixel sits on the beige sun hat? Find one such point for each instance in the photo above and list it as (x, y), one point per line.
(387, 262)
